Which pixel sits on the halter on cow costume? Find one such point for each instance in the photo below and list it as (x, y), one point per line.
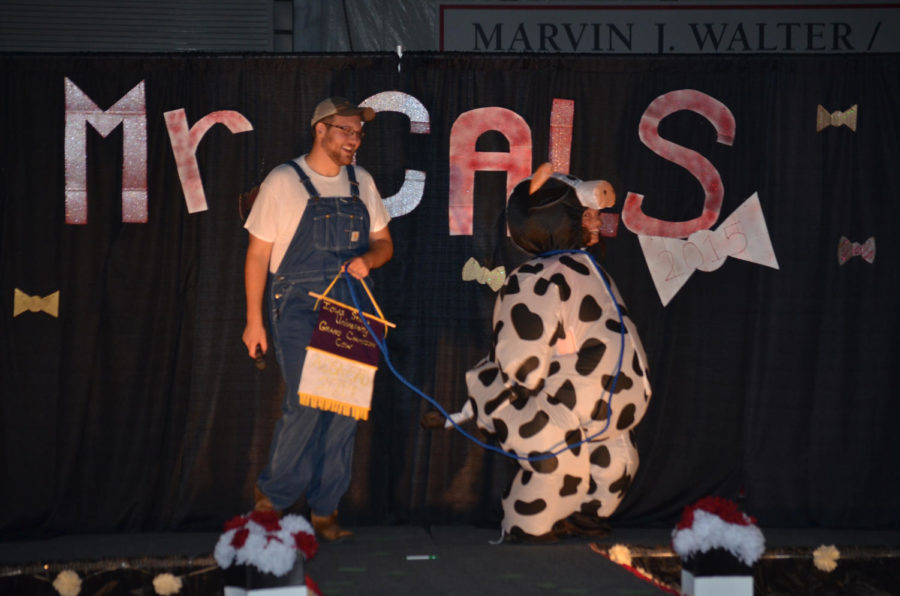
(558, 337)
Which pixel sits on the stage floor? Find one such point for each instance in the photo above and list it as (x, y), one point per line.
(375, 562)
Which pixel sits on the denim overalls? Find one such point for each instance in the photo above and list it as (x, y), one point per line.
(312, 450)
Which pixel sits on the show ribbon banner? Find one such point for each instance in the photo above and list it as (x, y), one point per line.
(341, 360)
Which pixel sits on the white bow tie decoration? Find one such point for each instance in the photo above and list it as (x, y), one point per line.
(743, 235)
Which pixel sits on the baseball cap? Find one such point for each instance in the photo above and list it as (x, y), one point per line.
(340, 106)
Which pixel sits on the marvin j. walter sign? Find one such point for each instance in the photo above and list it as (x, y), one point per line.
(659, 29)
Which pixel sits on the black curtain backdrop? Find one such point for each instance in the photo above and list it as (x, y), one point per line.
(138, 409)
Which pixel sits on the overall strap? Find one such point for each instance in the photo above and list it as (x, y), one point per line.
(310, 189)
(354, 185)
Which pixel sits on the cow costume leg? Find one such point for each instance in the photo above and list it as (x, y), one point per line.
(549, 487)
(614, 462)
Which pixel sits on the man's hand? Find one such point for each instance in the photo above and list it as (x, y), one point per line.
(256, 270)
(357, 267)
(381, 249)
(255, 335)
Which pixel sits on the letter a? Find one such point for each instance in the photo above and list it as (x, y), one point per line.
(464, 160)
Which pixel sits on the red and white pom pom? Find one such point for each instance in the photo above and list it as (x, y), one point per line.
(717, 523)
(267, 543)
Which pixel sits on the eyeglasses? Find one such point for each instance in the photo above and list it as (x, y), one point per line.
(347, 130)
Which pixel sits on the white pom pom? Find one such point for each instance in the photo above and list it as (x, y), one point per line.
(620, 554)
(825, 558)
(67, 583)
(224, 553)
(277, 558)
(166, 584)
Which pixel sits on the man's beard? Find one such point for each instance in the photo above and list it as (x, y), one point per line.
(341, 157)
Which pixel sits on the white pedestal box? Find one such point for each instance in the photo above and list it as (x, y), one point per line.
(716, 585)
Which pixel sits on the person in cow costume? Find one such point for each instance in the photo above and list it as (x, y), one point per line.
(566, 366)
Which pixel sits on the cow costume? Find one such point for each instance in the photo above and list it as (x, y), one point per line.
(559, 340)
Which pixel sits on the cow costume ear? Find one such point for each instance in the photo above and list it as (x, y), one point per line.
(544, 210)
(540, 176)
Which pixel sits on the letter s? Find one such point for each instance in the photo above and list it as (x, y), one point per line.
(722, 119)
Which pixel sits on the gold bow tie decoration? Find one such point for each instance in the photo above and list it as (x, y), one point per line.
(846, 118)
(48, 304)
(494, 278)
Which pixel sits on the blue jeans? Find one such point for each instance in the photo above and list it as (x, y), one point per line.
(312, 450)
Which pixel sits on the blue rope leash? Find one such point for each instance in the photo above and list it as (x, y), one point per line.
(555, 450)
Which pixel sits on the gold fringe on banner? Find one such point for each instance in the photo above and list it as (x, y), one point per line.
(333, 405)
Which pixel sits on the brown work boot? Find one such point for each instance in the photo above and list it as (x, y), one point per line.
(262, 502)
(327, 528)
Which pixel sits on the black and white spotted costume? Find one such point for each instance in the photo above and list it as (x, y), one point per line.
(556, 348)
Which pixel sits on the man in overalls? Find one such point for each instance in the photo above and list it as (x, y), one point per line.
(312, 216)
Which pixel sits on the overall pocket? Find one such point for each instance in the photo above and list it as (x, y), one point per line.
(339, 224)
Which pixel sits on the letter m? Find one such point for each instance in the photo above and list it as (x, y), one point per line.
(131, 112)
(495, 34)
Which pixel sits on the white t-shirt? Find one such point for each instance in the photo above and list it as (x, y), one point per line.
(282, 200)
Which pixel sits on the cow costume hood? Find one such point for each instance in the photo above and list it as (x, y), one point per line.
(550, 217)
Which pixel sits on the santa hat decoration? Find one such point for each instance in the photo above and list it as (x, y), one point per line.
(714, 524)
